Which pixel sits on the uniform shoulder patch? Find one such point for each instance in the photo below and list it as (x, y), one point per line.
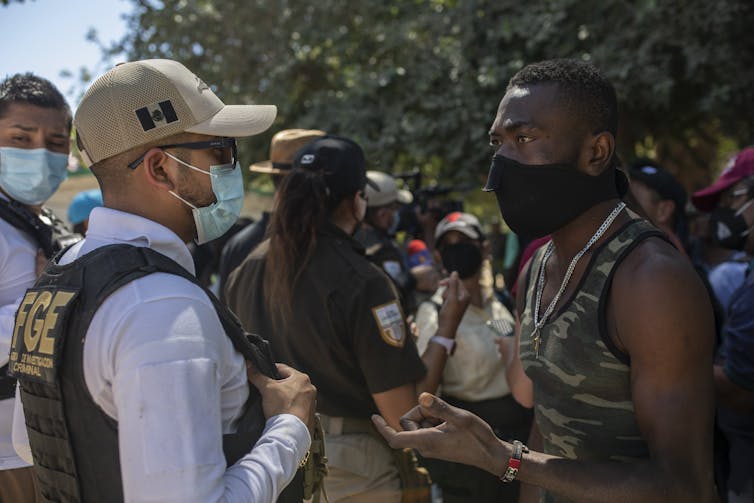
(389, 319)
(392, 267)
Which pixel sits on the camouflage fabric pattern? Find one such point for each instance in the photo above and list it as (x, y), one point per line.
(582, 391)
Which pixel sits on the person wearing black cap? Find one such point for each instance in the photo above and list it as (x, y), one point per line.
(327, 309)
(283, 148)
(662, 198)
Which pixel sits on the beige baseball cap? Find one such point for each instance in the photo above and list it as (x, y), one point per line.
(283, 148)
(388, 190)
(142, 101)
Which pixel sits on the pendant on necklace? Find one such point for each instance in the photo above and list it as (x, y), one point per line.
(537, 340)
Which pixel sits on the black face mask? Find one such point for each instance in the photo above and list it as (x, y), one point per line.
(463, 257)
(537, 200)
(728, 227)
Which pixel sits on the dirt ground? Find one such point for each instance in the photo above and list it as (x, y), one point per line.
(253, 206)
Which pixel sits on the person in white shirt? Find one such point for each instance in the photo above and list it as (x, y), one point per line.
(35, 125)
(474, 375)
(140, 371)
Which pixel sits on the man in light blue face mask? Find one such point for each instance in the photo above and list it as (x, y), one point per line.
(35, 125)
(147, 367)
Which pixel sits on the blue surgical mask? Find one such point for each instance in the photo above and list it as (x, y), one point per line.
(216, 219)
(396, 222)
(31, 176)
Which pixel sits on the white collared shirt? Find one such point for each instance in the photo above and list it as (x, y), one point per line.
(18, 253)
(158, 361)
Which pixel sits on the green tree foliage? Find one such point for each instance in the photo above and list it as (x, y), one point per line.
(417, 82)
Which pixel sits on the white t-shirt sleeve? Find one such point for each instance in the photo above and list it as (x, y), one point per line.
(426, 324)
(17, 273)
(7, 320)
(20, 437)
(171, 378)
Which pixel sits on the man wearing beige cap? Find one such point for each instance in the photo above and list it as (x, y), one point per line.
(133, 378)
(377, 236)
(283, 150)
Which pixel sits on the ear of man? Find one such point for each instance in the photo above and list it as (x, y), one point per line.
(155, 172)
(597, 152)
(113, 174)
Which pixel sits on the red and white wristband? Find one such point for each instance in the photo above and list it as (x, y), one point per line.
(514, 463)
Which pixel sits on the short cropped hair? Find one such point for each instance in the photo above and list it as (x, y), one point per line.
(588, 94)
(112, 173)
(33, 90)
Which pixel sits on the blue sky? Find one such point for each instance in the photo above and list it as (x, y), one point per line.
(48, 36)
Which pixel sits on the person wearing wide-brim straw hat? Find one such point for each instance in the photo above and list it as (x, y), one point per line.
(283, 148)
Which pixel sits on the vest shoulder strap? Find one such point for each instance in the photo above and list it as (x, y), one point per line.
(128, 263)
(24, 220)
(50, 233)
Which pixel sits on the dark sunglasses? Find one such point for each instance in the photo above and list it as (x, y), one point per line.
(221, 143)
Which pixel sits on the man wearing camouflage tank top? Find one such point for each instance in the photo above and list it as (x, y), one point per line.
(615, 332)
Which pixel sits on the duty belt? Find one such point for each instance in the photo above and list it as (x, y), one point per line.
(347, 425)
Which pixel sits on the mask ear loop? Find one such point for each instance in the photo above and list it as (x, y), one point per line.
(743, 208)
(750, 187)
(187, 164)
(193, 207)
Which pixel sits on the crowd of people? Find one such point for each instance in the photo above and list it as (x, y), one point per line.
(161, 349)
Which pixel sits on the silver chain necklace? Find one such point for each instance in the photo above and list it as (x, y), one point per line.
(540, 322)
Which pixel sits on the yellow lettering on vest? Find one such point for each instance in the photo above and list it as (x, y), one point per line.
(40, 305)
(47, 343)
(23, 311)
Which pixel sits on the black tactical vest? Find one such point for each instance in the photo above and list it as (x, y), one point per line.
(74, 443)
(51, 235)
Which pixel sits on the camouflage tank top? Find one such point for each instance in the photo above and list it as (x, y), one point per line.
(582, 381)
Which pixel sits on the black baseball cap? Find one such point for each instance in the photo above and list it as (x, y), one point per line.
(659, 180)
(341, 162)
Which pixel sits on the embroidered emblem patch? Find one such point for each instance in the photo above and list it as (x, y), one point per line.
(389, 318)
(156, 115)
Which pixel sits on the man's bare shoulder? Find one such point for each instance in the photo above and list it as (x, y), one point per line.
(651, 261)
(657, 294)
